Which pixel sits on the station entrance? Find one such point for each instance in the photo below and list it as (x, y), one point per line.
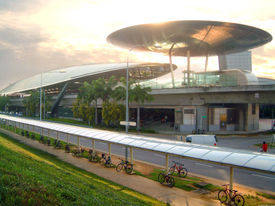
(151, 118)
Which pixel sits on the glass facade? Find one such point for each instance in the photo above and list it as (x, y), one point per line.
(205, 79)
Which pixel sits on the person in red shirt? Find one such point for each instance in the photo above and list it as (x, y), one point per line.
(264, 147)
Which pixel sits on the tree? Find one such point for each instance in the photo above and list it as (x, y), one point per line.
(103, 90)
(4, 101)
(31, 103)
(82, 105)
(136, 92)
(112, 113)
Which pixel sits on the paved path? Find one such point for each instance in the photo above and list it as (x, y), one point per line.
(173, 196)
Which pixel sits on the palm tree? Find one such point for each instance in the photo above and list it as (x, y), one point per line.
(102, 89)
(137, 94)
(31, 103)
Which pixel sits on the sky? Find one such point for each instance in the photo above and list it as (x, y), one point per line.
(38, 36)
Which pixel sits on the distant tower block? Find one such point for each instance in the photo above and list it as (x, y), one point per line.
(240, 61)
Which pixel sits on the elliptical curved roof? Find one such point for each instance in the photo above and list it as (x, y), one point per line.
(76, 72)
(199, 37)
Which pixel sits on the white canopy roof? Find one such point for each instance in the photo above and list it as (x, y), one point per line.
(225, 156)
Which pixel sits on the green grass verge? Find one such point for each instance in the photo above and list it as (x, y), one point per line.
(187, 183)
(268, 196)
(31, 177)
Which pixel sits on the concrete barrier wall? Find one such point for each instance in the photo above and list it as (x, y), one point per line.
(265, 124)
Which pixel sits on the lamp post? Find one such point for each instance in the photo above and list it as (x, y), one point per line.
(127, 91)
(127, 99)
(41, 97)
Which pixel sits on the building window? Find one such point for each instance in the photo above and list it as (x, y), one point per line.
(253, 108)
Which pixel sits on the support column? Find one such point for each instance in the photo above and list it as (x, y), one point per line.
(78, 142)
(138, 118)
(93, 145)
(126, 153)
(205, 69)
(109, 149)
(202, 117)
(131, 155)
(188, 67)
(14, 127)
(167, 162)
(171, 65)
(231, 178)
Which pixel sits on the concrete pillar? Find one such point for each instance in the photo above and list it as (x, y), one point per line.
(252, 117)
(178, 117)
(109, 149)
(138, 118)
(231, 178)
(131, 155)
(241, 119)
(93, 145)
(78, 142)
(166, 162)
(202, 117)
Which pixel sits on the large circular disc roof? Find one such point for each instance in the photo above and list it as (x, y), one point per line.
(199, 37)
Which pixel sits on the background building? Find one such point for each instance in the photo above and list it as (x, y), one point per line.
(242, 61)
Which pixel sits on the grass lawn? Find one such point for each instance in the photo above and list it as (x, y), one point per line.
(31, 177)
(187, 184)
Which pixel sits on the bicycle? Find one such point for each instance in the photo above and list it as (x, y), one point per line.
(106, 161)
(42, 140)
(67, 148)
(92, 156)
(166, 179)
(57, 144)
(237, 199)
(78, 152)
(127, 166)
(182, 171)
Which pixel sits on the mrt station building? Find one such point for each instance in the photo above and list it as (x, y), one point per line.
(227, 99)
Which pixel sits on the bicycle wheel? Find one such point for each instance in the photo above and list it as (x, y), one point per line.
(102, 161)
(108, 164)
(119, 167)
(238, 200)
(222, 196)
(183, 172)
(171, 181)
(129, 168)
(172, 170)
(161, 178)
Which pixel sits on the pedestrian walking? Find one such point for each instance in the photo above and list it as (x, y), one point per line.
(264, 147)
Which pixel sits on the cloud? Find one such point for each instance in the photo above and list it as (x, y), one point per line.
(18, 5)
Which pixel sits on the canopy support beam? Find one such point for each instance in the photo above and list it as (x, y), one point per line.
(205, 68)
(188, 67)
(171, 65)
